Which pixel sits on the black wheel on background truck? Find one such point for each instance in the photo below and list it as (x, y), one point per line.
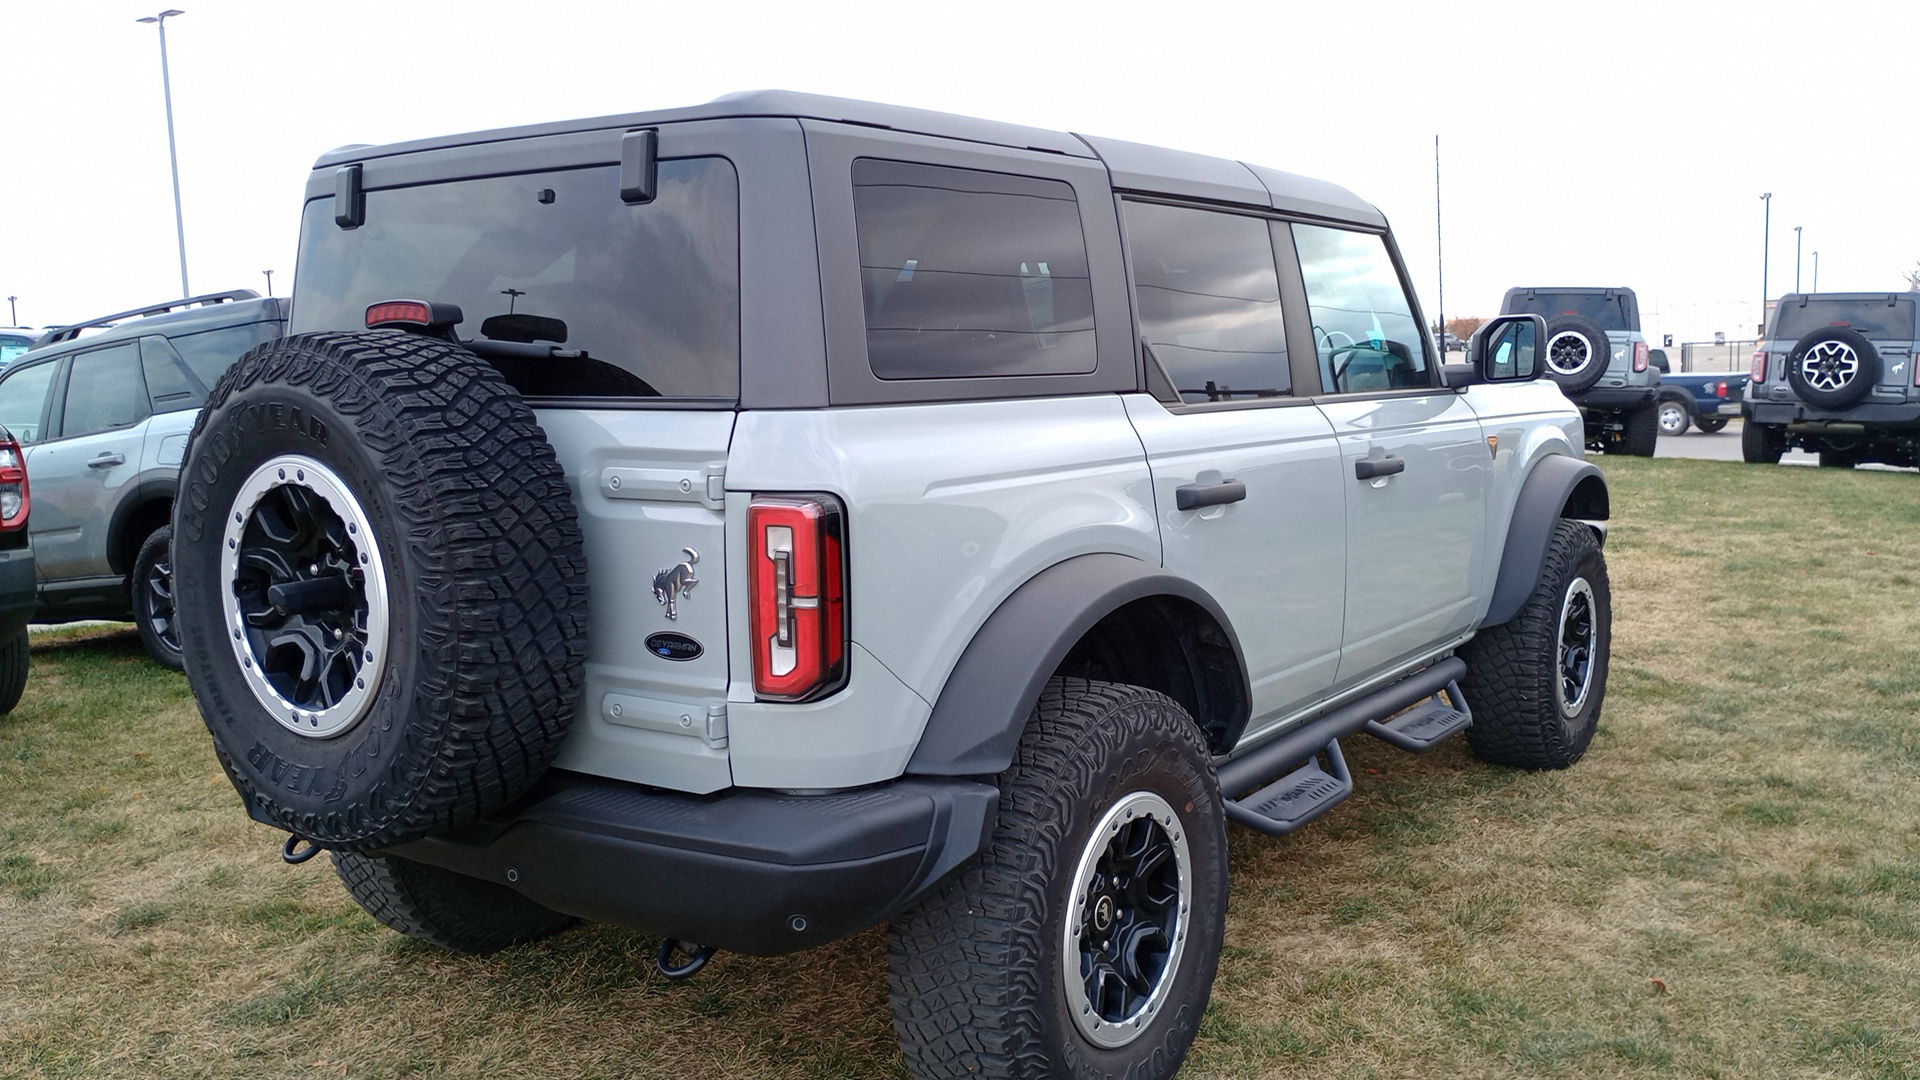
(1578, 352)
(15, 658)
(381, 587)
(153, 610)
(1672, 413)
(1762, 444)
(1084, 939)
(1535, 682)
(1642, 432)
(1709, 425)
(441, 907)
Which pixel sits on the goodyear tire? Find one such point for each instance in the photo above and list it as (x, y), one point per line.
(1084, 940)
(381, 587)
(1833, 367)
(1536, 682)
(1578, 352)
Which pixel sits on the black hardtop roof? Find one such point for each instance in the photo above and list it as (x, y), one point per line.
(1888, 295)
(205, 312)
(1134, 165)
(1596, 290)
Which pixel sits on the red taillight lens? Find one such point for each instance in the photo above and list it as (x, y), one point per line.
(399, 312)
(1759, 369)
(1639, 356)
(797, 547)
(15, 499)
(1721, 389)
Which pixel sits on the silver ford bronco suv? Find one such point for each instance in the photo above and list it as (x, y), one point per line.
(756, 522)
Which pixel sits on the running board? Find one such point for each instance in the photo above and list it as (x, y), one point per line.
(1422, 727)
(1296, 798)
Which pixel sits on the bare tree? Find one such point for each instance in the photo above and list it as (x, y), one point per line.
(1913, 278)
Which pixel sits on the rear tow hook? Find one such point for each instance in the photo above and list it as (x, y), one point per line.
(696, 959)
(294, 854)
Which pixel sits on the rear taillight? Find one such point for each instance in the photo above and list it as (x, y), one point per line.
(798, 596)
(1759, 369)
(1721, 390)
(1639, 356)
(15, 500)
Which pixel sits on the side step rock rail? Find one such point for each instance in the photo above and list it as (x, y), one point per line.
(1413, 714)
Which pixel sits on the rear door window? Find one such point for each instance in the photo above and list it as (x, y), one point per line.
(631, 301)
(970, 274)
(1208, 300)
(105, 390)
(1364, 329)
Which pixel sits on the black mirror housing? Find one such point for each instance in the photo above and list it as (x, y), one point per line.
(1510, 348)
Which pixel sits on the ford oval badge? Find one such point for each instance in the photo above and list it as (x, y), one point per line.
(673, 646)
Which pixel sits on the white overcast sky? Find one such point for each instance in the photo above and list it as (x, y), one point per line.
(1611, 143)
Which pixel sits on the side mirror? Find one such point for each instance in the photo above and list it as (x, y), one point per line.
(1507, 349)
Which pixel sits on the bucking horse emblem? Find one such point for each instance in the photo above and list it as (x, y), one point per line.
(671, 584)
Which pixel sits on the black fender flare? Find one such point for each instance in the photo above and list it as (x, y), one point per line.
(977, 720)
(155, 491)
(1560, 485)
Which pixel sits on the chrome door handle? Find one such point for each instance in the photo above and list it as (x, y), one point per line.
(1368, 468)
(107, 460)
(1196, 496)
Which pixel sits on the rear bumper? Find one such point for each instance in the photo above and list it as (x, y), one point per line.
(18, 600)
(747, 870)
(1622, 398)
(1871, 413)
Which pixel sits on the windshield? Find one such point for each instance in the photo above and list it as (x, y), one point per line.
(1609, 309)
(1885, 317)
(12, 345)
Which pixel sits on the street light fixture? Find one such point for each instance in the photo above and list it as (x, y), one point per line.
(1766, 235)
(173, 156)
(269, 274)
(1796, 258)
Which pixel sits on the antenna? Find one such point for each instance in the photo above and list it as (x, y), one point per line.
(1439, 257)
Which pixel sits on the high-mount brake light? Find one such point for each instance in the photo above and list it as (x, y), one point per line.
(1639, 356)
(797, 595)
(15, 499)
(414, 315)
(1759, 368)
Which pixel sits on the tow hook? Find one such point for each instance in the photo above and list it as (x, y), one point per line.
(294, 854)
(696, 959)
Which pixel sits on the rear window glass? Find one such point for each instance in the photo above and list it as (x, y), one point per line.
(1886, 317)
(646, 297)
(211, 352)
(969, 274)
(1609, 310)
(12, 346)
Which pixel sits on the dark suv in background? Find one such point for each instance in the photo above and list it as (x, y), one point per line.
(1835, 375)
(1597, 355)
(103, 418)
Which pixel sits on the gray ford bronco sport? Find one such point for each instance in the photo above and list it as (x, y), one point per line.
(755, 522)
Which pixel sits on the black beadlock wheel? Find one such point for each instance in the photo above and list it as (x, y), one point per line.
(153, 606)
(380, 584)
(1578, 352)
(441, 907)
(1083, 941)
(1536, 682)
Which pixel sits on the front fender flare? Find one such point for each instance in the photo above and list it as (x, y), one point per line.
(1560, 485)
(976, 723)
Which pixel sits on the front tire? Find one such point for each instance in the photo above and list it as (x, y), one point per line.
(1084, 940)
(1673, 417)
(441, 907)
(1536, 682)
(153, 610)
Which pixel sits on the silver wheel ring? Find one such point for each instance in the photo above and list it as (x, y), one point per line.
(300, 471)
(1584, 344)
(1101, 1032)
(1579, 589)
(1829, 365)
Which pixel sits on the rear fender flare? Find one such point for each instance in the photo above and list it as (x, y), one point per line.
(1560, 485)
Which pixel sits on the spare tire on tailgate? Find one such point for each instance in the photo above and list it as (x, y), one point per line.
(1578, 352)
(381, 587)
(1831, 367)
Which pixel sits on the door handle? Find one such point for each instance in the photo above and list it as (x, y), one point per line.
(1368, 468)
(107, 460)
(1196, 496)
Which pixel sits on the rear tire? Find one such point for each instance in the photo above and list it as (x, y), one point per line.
(1642, 434)
(1536, 682)
(16, 657)
(1073, 882)
(1709, 425)
(443, 908)
(1762, 444)
(153, 610)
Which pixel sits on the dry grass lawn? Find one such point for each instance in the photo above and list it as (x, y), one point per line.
(1728, 885)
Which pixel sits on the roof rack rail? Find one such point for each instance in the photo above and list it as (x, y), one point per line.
(72, 330)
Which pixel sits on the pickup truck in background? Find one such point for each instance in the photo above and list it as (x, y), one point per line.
(1703, 399)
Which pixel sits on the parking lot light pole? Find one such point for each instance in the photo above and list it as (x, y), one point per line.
(1766, 234)
(13, 316)
(1816, 271)
(1796, 258)
(173, 156)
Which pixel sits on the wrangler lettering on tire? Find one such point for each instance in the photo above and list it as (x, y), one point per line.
(382, 586)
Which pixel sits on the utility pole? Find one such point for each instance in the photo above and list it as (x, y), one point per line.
(1766, 235)
(269, 274)
(13, 316)
(1796, 258)
(1816, 271)
(1440, 260)
(173, 155)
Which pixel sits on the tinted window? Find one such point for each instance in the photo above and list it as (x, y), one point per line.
(649, 293)
(1209, 301)
(211, 352)
(170, 385)
(1886, 317)
(969, 274)
(23, 400)
(1607, 309)
(1363, 325)
(12, 346)
(104, 391)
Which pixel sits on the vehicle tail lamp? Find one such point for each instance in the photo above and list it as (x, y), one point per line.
(1639, 356)
(1759, 369)
(1721, 389)
(413, 315)
(15, 500)
(798, 596)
